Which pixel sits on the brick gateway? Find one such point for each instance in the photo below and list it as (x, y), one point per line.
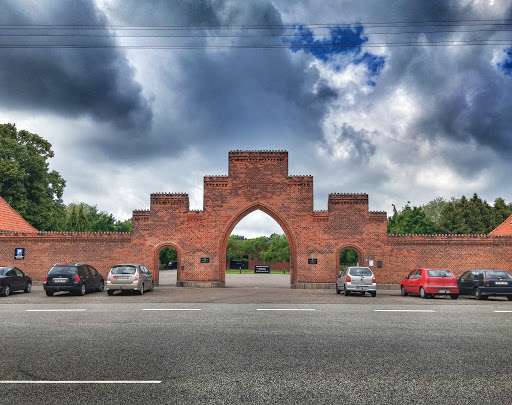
(259, 180)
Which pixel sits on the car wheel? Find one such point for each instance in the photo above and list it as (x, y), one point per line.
(82, 289)
(423, 294)
(6, 291)
(49, 293)
(454, 296)
(478, 294)
(141, 291)
(374, 293)
(110, 292)
(28, 287)
(101, 287)
(345, 292)
(403, 292)
(338, 291)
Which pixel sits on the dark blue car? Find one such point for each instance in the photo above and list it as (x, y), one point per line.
(484, 283)
(13, 279)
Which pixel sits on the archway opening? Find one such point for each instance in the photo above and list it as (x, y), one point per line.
(168, 263)
(257, 253)
(348, 257)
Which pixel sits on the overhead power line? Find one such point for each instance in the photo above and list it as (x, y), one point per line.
(473, 33)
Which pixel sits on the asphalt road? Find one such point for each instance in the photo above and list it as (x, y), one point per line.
(254, 345)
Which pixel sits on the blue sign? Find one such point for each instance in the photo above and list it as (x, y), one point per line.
(19, 253)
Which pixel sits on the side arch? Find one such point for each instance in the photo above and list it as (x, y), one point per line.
(355, 248)
(242, 214)
(156, 258)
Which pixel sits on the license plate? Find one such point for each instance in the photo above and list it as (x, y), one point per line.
(501, 283)
(60, 280)
(444, 291)
(122, 277)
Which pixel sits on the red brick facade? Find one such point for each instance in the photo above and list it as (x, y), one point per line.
(259, 180)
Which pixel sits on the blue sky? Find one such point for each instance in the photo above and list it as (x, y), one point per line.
(405, 101)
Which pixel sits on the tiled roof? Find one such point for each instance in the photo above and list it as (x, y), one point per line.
(505, 228)
(10, 220)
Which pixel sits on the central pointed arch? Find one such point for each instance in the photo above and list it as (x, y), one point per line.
(242, 214)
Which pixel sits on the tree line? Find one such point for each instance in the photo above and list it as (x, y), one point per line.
(267, 250)
(457, 216)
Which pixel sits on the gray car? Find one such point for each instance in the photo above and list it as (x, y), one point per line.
(356, 279)
(129, 277)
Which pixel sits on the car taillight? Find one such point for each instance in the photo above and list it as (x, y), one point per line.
(348, 278)
(77, 278)
(374, 280)
(136, 277)
(108, 277)
(45, 278)
(486, 281)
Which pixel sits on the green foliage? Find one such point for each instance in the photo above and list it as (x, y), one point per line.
(411, 221)
(26, 182)
(167, 255)
(277, 251)
(273, 250)
(457, 216)
(82, 217)
(348, 257)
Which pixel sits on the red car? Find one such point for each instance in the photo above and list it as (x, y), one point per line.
(430, 282)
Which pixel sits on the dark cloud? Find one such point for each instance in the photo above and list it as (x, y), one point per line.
(98, 83)
(236, 98)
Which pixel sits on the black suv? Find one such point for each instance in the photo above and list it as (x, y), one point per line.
(78, 278)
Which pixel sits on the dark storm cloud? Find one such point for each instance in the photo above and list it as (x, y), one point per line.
(98, 83)
(236, 98)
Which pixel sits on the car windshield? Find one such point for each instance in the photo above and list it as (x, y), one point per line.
(439, 273)
(360, 271)
(497, 274)
(123, 270)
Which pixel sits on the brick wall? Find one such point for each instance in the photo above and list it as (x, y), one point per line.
(259, 180)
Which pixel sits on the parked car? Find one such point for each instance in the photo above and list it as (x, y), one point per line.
(356, 279)
(483, 283)
(171, 266)
(13, 279)
(78, 278)
(129, 277)
(430, 282)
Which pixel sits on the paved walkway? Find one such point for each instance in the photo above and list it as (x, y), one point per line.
(169, 277)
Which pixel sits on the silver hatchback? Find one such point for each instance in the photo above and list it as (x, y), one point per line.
(129, 277)
(356, 279)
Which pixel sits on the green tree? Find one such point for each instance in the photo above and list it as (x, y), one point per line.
(278, 250)
(26, 182)
(411, 221)
(235, 249)
(348, 257)
(433, 208)
(167, 255)
(82, 217)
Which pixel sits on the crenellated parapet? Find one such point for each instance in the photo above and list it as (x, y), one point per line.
(176, 201)
(258, 164)
(340, 201)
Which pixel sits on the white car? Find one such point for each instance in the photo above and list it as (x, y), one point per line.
(129, 277)
(356, 279)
